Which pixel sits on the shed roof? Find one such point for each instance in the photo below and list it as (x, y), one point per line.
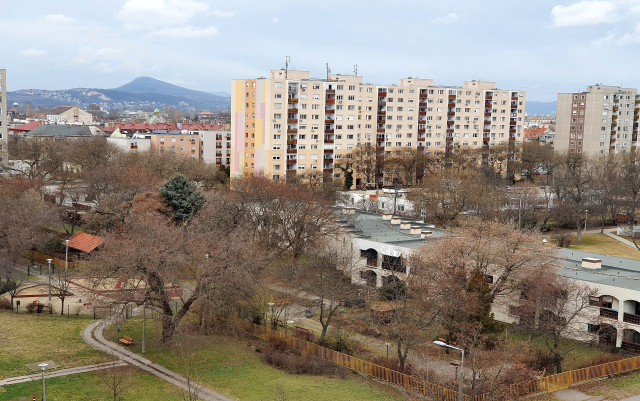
(85, 242)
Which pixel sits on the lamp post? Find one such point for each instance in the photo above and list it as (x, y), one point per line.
(144, 326)
(287, 326)
(387, 344)
(66, 258)
(586, 213)
(271, 304)
(519, 213)
(44, 393)
(445, 345)
(49, 263)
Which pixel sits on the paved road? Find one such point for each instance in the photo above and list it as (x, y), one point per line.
(97, 340)
(62, 372)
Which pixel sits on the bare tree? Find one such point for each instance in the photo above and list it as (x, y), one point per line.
(117, 378)
(573, 184)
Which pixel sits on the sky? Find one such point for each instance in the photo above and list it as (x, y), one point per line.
(542, 46)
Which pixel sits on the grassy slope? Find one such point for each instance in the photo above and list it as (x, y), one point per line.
(231, 366)
(28, 338)
(90, 387)
(600, 243)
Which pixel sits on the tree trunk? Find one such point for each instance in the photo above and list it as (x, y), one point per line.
(579, 227)
(401, 357)
(168, 329)
(325, 327)
(62, 308)
(558, 359)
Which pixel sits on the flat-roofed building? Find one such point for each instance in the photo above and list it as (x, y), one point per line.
(183, 145)
(291, 126)
(600, 121)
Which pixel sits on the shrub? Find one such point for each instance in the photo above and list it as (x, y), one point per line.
(391, 291)
(562, 239)
(341, 343)
(292, 362)
(354, 302)
(393, 364)
(35, 308)
(540, 361)
(5, 304)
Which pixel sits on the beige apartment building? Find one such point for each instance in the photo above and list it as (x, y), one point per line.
(290, 125)
(4, 154)
(183, 145)
(602, 120)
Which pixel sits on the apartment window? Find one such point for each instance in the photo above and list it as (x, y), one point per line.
(276, 157)
(352, 87)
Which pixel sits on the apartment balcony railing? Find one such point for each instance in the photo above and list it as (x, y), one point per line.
(329, 111)
(631, 318)
(292, 121)
(609, 313)
(330, 101)
(380, 130)
(292, 131)
(327, 140)
(293, 100)
(329, 131)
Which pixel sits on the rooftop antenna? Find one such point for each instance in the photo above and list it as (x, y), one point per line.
(286, 66)
(355, 69)
(328, 71)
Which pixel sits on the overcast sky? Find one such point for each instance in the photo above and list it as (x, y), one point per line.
(541, 46)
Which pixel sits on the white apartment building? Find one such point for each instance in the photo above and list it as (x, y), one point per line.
(4, 154)
(602, 120)
(290, 125)
(215, 147)
(69, 115)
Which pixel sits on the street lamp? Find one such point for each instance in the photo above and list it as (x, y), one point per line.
(445, 345)
(287, 326)
(519, 213)
(49, 263)
(586, 212)
(66, 258)
(271, 304)
(43, 366)
(387, 344)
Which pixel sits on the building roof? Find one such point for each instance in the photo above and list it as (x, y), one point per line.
(370, 226)
(534, 132)
(26, 127)
(615, 271)
(59, 110)
(85, 242)
(61, 130)
(206, 113)
(168, 127)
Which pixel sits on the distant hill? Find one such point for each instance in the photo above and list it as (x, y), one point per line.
(223, 94)
(142, 92)
(540, 108)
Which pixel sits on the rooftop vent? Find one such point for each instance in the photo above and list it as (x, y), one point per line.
(591, 263)
(426, 234)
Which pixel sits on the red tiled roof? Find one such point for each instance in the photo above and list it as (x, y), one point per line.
(26, 127)
(534, 132)
(85, 242)
(168, 127)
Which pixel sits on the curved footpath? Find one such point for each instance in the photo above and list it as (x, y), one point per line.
(97, 340)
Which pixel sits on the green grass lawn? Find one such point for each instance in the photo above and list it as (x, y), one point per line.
(27, 338)
(142, 386)
(231, 366)
(582, 355)
(600, 243)
(613, 389)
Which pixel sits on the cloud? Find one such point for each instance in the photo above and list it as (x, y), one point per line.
(32, 53)
(605, 40)
(224, 14)
(584, 13)
(58, 19)
(149, 14)
(184, 32)
(89, 54)
(446, 20)
(275, 20)
(631, 37)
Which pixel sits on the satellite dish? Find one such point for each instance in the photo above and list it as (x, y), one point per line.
(15, 104)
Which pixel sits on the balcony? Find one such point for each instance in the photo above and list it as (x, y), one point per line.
(487, 122)
(327, 140)
(487, 114)
(450, 131)
(630, 318)
(421, 139)
(514, 98)
(329, 111)
(218, 146)
(330, 101)
(292, 121)
(292, 131)
(488, 105)
(292, 150)
(328, 131)
(330, 91)
(609, 313)
(421, 130)
(380, 130)
(382, 112)
(327, 171)
(486, 130)
(382, 103)
(292, 141)
(451, 105)
(328, 151)
(422, 113)
(450, 122)
(451, 113)
(452, 97)
(292, 111)
(329, 121)
(291, 161)
(512, 131)
(380, 139)
(489, 97)
(382, 94)
(422, 104)
(293, 100)
(422, 121)
(424, 95)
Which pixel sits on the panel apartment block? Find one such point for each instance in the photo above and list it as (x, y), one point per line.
(289, 125)
(600, 121)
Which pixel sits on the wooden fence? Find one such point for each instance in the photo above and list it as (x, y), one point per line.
(546, 384)
(55, 262)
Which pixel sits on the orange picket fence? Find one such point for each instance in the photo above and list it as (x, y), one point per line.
(546, 384)
(55, 262)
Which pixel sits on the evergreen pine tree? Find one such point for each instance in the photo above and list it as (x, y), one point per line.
(183, 197)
